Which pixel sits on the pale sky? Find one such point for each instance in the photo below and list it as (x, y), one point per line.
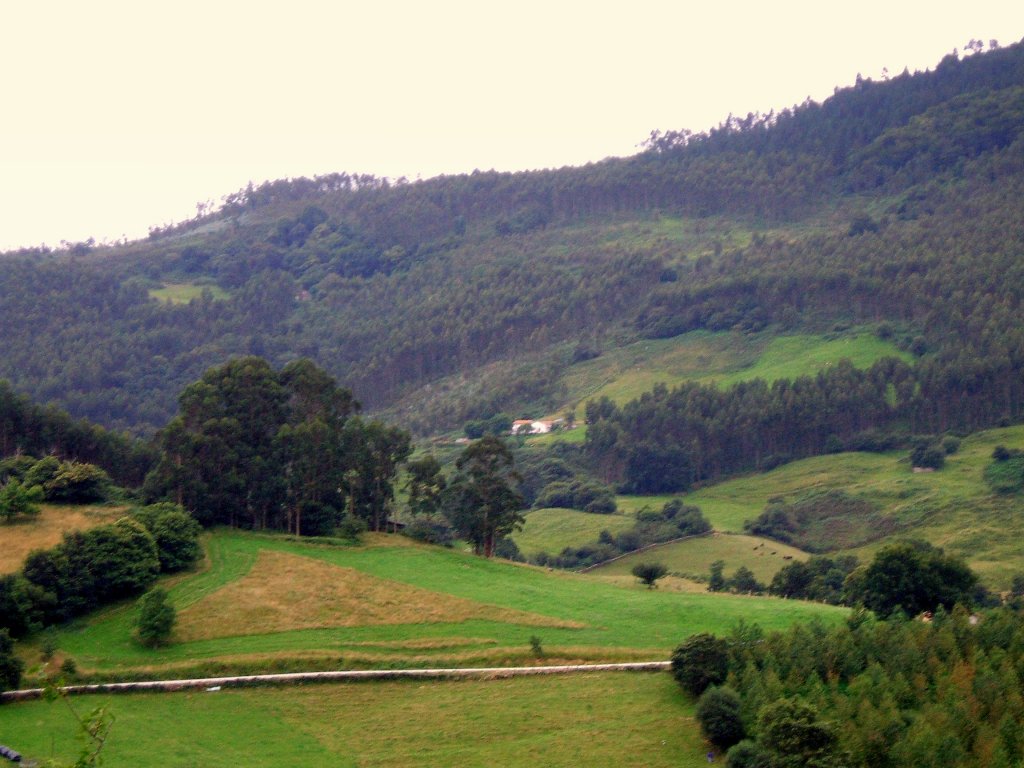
(121, 115)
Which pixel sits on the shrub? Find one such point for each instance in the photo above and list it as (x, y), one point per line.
(718, 712)
(18, 499)
(747, 754)
(351, 527)
(744, 582)
(1005, 474)
(22, 604)
(175, 532)
(317, 519)
(430, 530)
(602, 505)
(42, 471)
(950, 445)
(507, 549)
(649, 573)
(928, 456)
(156, 618)
(11, 666)
(77, 483)
(701, 661)
(535, 647)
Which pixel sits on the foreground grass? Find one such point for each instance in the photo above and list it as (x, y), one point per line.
(567, 720)
(47, 529)
(578, 618)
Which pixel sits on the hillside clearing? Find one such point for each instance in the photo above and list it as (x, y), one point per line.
(183, 293)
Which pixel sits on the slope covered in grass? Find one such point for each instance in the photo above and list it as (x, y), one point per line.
(694, 557)
(953, 508)
(577, 618)
(725, 358)
(552, 530)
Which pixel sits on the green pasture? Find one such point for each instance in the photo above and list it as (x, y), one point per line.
(183, 293)
(952, 508)
(614, 622)
(722, 358)
(789, 357)
(564, 720)
(552, 530)
(694, 557)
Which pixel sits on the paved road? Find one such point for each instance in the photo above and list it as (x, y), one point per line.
(216, 683)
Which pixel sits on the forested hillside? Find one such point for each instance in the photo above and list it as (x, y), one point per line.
(895, 203)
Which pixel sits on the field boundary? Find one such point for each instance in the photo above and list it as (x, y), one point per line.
(603, 563)
(298, 678)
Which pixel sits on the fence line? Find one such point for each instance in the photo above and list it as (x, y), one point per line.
(293, 678)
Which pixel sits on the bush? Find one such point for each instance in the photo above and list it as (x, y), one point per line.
(1005, 474)
(21, 604)
(317, 519)
(747, 754)
(77, 483)
(928, 456)
(649, 573)
(744, 582)
(351, 527)
(17, 499)
(175, 532)
(11, 666)
(718, 712)
(430, 530)
(42, 471)
(701, 661)
(156, 618)
(602, 505)
(507, 549)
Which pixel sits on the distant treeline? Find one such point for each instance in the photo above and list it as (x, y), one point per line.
(392, 285)
(31, 429)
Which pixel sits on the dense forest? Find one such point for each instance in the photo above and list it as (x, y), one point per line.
(867, 693)
(894, 202)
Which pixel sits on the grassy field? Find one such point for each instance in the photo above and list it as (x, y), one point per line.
(552, 530)
(394, 604)
(589, 719)
(723, 358)
(183, 293)
(787, 357)
(47, 529)
(694, 556)
(953, 508)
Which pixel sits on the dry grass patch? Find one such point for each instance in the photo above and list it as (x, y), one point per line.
(47, 529)
(285, 592)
